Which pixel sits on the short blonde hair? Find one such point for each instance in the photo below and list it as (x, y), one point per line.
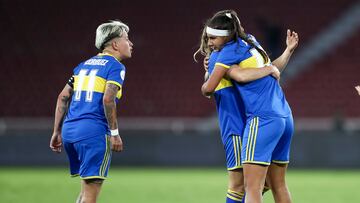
(108, 31)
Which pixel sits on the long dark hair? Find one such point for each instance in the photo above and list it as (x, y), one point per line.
(227, 20)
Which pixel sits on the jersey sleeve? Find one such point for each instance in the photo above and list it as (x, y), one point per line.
(116, 74)
(232, 54)
(212, 61)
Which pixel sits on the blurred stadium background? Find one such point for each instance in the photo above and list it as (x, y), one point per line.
(163, 118)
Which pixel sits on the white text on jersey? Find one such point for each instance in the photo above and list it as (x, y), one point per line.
(96, 62)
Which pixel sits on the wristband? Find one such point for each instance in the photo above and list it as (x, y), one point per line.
(114, 132)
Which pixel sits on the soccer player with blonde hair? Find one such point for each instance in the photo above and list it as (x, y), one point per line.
(85, 115)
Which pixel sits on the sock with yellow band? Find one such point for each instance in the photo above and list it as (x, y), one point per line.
(234, 197)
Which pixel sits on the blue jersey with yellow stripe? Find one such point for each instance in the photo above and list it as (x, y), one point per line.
(86, 116)
(228, 104)
(262, 97)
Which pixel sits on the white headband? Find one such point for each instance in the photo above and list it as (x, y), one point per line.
(217, 33)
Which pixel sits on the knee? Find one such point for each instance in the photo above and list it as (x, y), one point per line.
(254, 186)
(236, 185)
(279, 188)
(277, 184)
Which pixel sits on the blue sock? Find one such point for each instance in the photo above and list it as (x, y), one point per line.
(234, 197)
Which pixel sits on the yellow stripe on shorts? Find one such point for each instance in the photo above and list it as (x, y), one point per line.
(248, 144)
(255, 136)
(105, 161)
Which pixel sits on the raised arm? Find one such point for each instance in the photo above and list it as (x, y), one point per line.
(358, 89)
(292, 41)
(110, 113)
(62, 105)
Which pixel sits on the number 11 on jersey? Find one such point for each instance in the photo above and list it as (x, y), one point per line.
(90, 84)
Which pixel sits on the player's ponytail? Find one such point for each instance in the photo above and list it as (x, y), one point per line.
(239, 31)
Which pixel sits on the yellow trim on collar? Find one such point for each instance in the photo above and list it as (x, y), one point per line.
(106, 54)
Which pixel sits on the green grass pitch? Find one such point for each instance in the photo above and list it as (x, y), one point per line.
(164, 185)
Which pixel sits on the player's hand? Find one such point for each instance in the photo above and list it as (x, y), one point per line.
(206, 63)
(203, 92)
(275, 72)
(358, 89)
(56, 142)
(116, 143)
(292, 40)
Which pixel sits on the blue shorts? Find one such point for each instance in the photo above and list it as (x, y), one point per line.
(232, 148)
(267, 140)
(89, 158)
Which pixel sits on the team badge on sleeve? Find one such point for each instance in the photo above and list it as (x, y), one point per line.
(122, 74)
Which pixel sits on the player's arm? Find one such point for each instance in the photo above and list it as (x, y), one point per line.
(110, 113)
(210, 85)
(244, 75)
(62, 105)
(292, 41)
